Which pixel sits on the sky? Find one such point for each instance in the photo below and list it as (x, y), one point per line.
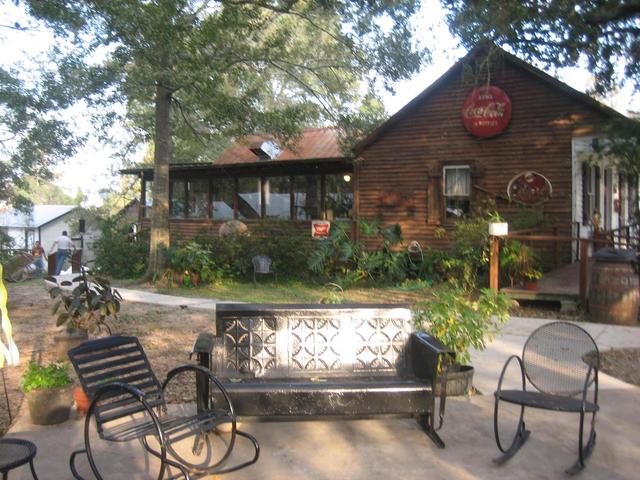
(94, 167)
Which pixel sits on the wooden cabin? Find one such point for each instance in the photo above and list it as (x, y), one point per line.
(497, 128)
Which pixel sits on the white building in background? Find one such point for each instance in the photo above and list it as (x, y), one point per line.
(45, 223)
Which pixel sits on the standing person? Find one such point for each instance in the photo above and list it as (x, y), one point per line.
(38, 258)
(65, 245)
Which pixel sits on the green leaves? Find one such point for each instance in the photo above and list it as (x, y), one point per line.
(45, 376)
(339, 256)
(461, 322)
(557, 33)
(87, 305)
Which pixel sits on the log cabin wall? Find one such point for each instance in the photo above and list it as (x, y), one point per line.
(399, 173)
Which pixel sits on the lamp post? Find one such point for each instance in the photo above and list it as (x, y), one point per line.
(496, 230)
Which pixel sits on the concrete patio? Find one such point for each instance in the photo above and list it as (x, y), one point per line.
(394, 447)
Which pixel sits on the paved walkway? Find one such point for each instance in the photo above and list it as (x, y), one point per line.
(386, 448)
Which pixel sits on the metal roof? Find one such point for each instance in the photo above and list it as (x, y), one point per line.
(313, 144)
(38, 216)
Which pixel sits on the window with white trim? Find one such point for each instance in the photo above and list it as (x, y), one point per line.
(457, 191)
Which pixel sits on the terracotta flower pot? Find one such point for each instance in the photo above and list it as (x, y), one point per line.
(48, 406)
(82, 400)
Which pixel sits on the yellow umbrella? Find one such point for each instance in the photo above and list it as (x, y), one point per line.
(9, 351)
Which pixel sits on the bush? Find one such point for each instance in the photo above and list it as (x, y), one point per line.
(192, 263)
(45, 376)
(118, 254)
(345, 261)
(460, 322)
(285, 243)
(469, 258)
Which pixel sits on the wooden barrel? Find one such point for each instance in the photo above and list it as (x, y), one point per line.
(614, 293)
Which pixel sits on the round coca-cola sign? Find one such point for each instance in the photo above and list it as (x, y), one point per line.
(486, 111)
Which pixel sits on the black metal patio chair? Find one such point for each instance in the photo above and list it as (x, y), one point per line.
(263, 265)
(560, 361)
(128, 403)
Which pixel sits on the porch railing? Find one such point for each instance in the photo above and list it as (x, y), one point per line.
(619, 238)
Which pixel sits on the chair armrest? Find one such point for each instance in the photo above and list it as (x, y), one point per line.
(587, 382)
(124, 388)
(504, 371)
(205, 371)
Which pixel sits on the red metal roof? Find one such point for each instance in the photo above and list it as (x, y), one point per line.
(314, 144)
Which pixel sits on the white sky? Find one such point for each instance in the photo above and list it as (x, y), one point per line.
(93, 167)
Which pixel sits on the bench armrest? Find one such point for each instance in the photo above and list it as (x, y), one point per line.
(429, 362)
(427, 354)
(203, 344)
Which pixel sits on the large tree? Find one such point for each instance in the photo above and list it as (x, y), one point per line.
(231, 67)
(33, 134)
(558, 33)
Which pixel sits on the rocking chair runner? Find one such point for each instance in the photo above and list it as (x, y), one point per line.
(561, 361)
(136, 390)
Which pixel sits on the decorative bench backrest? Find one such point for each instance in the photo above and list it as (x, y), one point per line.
(276, 340)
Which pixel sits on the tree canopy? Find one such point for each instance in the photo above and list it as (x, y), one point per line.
(558, 33)
(208, 69)
(33, 135)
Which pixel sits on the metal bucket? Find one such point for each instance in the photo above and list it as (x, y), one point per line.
(614, 295)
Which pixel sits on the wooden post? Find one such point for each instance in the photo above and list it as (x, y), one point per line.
(494, 263)
(584, 271)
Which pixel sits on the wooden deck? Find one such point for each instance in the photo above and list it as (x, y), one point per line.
(561, 285)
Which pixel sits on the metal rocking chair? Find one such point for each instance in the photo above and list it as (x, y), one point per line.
(561, 361)
(116, 374)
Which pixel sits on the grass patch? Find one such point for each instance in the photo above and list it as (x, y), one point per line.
(300, 292)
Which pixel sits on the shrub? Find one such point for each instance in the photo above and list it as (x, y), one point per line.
(45, 376)
(118, 253)
(193, 263)
(460, 322)
(469, 257)
(340, 258)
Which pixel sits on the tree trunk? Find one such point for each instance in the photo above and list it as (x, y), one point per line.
(162, 158)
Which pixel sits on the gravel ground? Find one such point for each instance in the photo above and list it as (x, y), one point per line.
(167, 336)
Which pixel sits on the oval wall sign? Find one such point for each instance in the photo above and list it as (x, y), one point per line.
(486, 111)
(529, 188)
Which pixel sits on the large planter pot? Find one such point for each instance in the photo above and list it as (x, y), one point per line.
(69, 339)
(48, 406)
(459, 380)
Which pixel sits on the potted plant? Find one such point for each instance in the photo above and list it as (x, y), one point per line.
(461, 323)
(83, 309)
(521, 263)
(47, 389)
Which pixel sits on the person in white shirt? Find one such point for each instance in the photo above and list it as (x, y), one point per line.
(65, 245)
